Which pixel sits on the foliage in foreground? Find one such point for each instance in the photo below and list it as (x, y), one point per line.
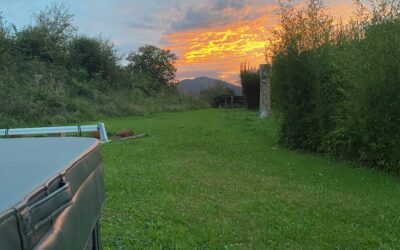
(337, 87)
(50, 74)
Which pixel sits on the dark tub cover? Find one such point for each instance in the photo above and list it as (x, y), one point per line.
(51, 193)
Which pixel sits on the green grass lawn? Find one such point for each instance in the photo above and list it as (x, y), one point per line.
(217, 179)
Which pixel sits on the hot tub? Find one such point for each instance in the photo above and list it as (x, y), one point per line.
(51, 193)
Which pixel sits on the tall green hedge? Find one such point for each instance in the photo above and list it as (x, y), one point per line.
(250, 81)
(337, 89)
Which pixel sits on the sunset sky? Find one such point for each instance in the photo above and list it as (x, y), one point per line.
(210, 37)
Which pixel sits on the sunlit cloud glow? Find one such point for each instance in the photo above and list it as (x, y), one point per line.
(221, 49)
(218, 50)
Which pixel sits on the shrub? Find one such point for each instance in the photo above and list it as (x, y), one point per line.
(95, 56)
(250, 81)
(369, 127)
(337, 89)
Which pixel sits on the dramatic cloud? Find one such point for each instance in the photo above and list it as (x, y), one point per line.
(219, 37)
(215, 12)
(216, 38)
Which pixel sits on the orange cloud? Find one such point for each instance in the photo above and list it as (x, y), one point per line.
(218, 51)
(221, 49)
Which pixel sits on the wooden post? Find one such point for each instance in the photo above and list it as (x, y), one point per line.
(265, 91)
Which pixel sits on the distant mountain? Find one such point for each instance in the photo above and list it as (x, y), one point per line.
(198, 84)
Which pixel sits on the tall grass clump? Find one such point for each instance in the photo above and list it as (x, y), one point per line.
(337, 86)
(250, 81)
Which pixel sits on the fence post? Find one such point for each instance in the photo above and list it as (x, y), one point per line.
(103, 132)
(265, 91)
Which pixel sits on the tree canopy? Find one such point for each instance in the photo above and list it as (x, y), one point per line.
(155, 62)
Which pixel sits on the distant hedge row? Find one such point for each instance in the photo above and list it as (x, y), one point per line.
(337, 87)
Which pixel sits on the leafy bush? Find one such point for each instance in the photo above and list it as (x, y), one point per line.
(250, 81)
(369, 126)
(93, 55)
(337, 88)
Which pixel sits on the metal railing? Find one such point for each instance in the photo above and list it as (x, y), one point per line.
(55, 130)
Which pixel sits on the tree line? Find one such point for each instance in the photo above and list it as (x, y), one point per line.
(51, 74)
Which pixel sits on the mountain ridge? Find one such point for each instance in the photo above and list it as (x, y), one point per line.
(203, 82)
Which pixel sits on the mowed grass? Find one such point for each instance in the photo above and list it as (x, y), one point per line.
(217, 179)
